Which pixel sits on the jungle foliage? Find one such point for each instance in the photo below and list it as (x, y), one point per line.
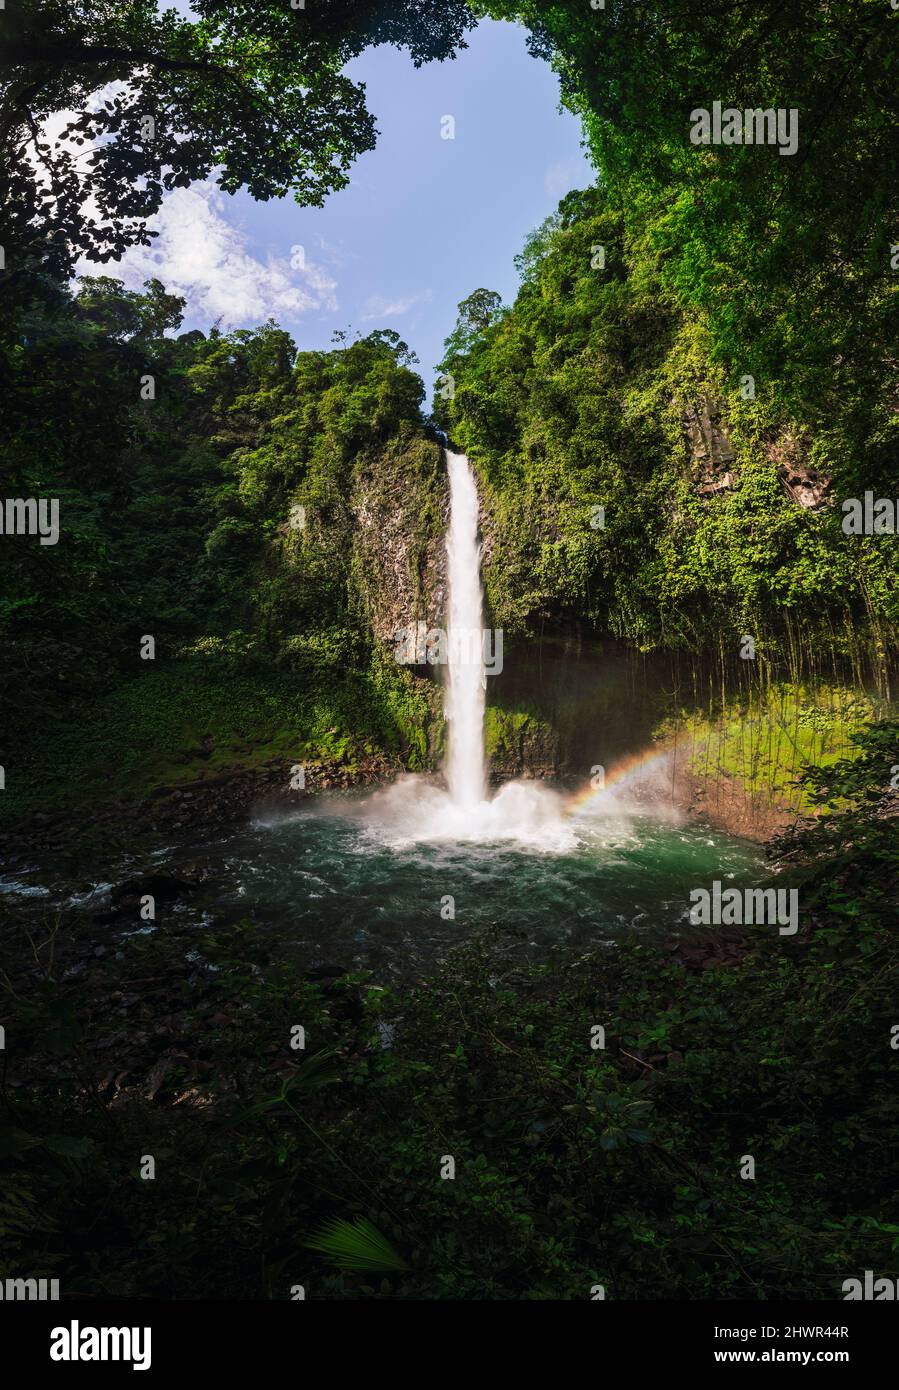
(629, 485)
(575, 1166)
(213, 516)
(216, 515)
(648, 305)
(788, 259)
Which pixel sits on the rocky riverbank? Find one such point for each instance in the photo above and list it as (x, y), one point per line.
(213, 802)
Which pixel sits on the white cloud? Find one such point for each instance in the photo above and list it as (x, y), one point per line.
(377, 307)
(200, 255)
(560, 178)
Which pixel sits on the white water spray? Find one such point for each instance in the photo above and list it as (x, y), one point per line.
(466, 679)
(414, 809)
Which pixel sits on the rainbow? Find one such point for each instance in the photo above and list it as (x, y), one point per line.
(628, 769)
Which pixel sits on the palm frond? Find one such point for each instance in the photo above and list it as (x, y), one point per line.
(356, 1246)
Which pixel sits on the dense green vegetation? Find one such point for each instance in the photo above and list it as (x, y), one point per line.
(574, 1167)
(630, 486)
(785, 259)
(265, 516)
(583, 395)
(215, 517)
(240, 515)
(725, 296)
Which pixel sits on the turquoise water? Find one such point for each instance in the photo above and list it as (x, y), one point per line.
(389, 882)
(343, 891)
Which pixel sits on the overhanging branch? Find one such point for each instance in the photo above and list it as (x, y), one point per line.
(14, 53)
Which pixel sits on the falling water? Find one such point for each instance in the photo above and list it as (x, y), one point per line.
(414, 809)
(464, 707)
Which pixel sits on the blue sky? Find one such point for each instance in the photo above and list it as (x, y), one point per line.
(423, 223)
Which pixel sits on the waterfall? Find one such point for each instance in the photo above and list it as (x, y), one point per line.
(414, 809)
(465, 683)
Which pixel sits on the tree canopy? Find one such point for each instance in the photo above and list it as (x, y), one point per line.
(254, 93)
(627, 482)
(789, 258)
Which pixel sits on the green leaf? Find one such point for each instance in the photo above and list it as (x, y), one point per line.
(356, 1246)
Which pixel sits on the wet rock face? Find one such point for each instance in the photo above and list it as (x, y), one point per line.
(709, 446)
(229, 798)
(525, 748)
(723, 802)
(805, 485)
(400, 506)
(713, 458)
